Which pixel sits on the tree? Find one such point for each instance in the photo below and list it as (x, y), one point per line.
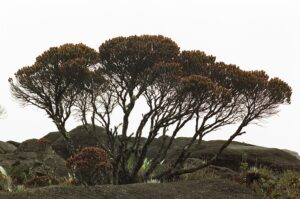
(54, 81)
(125, 63)
(177, 89)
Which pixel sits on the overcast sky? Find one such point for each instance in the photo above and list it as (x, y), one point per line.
(254, 34)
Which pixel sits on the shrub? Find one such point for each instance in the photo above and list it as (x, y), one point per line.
(272, 184)
(69, 180)
(90, 166)
(244, 166)
(20, 173)
(19, 188)
(144, 168)
(41, 181)
(252, 177)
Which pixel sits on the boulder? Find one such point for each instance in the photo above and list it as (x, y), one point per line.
(80, 138)
(232, 156)
(16, 144)
(34, 145)
(6, 147)
(52, 137)
(33, 158)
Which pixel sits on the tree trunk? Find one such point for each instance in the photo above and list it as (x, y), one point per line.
(70, 145)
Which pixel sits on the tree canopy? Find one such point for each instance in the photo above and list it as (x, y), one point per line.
(178, 88)
(54, 81)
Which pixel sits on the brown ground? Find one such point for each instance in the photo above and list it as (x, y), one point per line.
(202, 189)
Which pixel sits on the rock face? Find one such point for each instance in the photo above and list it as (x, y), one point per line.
(80, 138)
(230, 158)
(48, 154)
(34, 145)
(33, 157)
(275, 159)
(16, 144)
(6, 147)
(52, 137)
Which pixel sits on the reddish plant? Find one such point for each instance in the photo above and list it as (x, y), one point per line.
(90, 166)
(42, 141)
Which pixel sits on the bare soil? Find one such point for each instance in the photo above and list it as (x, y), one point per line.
(202, 189)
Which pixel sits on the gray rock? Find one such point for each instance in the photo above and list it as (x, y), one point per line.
(34, 145)
(6, 147)
(52, 137)
(16, 144)
(80, 138)
(33, 158)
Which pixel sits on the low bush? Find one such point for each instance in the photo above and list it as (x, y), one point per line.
(90, 166)
(272, 184)
(20, 173)
(41, 181)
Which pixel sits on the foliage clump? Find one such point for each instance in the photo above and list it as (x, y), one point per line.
(90, 166)
(41, 181)
(20, 173)
(274, 185)
(270, 183)
(53, 83)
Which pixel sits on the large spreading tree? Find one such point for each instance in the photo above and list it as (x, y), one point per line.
(176, 89)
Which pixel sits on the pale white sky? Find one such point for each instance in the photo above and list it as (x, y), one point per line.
(254, 34)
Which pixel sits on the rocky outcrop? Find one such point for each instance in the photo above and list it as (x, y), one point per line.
(81, 137)
(6, 147)
(230, 158)
(16, 144)
(33, 157)
(52, 137)
(49, 153)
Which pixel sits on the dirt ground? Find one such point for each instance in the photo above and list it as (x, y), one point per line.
(200, 189)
